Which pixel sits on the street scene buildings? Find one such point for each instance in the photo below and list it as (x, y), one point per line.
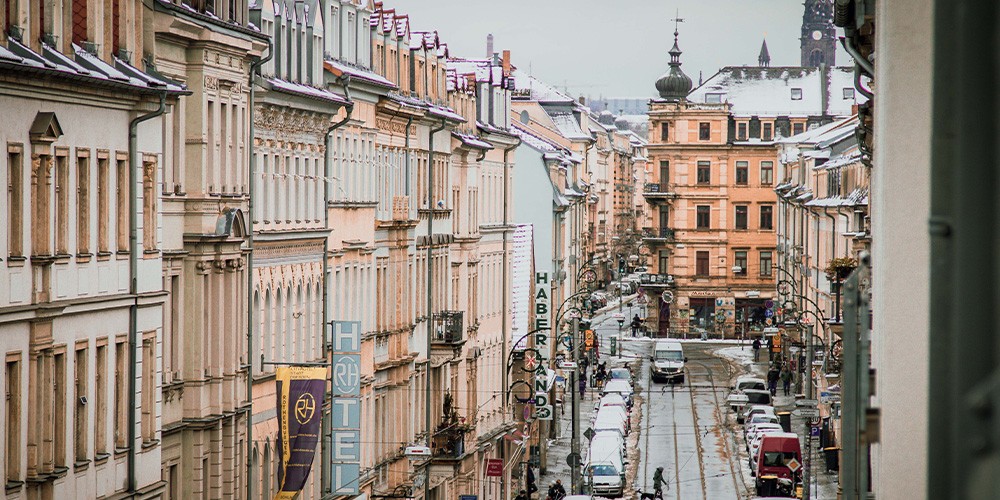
(308, 249)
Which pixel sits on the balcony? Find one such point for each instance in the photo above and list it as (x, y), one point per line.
(658, 234)
(656, 192)
(449, 436)
(449, 328)
(656, 280)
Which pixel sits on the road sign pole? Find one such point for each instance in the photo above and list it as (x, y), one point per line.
(575, 442)
(807, 459)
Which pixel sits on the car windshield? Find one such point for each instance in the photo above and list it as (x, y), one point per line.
(759, 398)
(603, 470)
(669, 356)
(620, 373)
(777, 458)
(750, 385)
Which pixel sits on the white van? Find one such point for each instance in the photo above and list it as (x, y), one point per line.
(668, 361)
(606, 440)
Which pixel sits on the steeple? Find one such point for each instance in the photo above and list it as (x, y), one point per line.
(674, 85)
(764, 59)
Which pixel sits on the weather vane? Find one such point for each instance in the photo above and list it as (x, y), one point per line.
(677, 19)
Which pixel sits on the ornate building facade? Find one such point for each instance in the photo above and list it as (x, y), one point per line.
(206, 403)
(82, 309)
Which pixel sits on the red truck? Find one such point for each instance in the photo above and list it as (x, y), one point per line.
(779, 463)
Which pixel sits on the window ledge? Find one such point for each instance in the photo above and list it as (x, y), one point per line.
(13, 487)
(80, 465)
(16, 261)
(101, 458)
(62, 258)
(153, 443)
(120, 452)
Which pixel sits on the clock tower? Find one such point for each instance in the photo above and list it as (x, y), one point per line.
(819, 37)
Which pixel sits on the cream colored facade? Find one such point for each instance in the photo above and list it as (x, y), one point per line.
(205, 201)
(82, 304)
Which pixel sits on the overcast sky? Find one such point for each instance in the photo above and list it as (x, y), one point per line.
(614, 48)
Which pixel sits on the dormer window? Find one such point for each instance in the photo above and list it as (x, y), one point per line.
(848, 93)
(713, 98)
(796, 94)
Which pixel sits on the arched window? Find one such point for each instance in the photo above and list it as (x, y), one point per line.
(524, 117)
(268, 472)
(816, 58)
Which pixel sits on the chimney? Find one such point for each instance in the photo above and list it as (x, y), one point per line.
(489, 45)
(583, 100)
(506, 62)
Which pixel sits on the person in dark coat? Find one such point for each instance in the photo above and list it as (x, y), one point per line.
(636, 322)
(658, 481)
(756, 350)
(522, 495)
(772, 379)
(786, 379)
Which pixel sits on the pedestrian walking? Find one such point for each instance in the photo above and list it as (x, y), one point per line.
(636, 323)
(756, 350)
(522, 495)
(658, 482)
(583, 386)
(786, 379)
(772, 379)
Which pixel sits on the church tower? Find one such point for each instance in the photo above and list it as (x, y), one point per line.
(819, 37)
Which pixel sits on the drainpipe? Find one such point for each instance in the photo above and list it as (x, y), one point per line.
(327, 448)
(430, 294)
(503, 316)
(252, 167)
(133, 284)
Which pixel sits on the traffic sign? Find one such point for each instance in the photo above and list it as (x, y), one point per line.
(768, 313)
(807, 412)
(589, 433)
(567, 365)
(807, 402)
(793, 465)
(769, 304)
(667, 296)
(767, 321)
(573, 459)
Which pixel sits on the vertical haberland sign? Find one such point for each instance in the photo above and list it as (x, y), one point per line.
(345, 408)
(542, 334)
(300, 400)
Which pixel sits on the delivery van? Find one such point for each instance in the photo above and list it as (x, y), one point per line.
(777, 456)
(667, 362)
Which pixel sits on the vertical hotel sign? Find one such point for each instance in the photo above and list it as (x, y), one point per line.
(345, 408)
(542, 333)
(300, 400)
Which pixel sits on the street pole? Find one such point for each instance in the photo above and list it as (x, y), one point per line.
(575, 442)
(807, 458)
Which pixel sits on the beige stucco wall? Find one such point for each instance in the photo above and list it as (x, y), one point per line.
(900, 243)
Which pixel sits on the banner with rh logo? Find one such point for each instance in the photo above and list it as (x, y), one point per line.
(300, 403)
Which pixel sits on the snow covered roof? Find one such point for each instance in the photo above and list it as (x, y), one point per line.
(83, 66)
(537, 90)
(855, 198)
(568, 126)
(358, 73)
(779, 91)
(306, 91)
(472, 141)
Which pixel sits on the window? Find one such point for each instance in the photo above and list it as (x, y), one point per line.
(101, 398)
(796, 94)
(149, 195)
(15, 200)
(848, 93)
(103, 200)
(525, 118)
(12, 418)
(148, 387)
(664, 174)
(767, 136)
(704, 131)
(833, 182)
(59, 408)
(741, 216)
(701, 263)
(663, 261)
(121, 381)
(765, 263)
(742, 173)
(713, 98)
(664, 131)
(704, 172)
(740, 261)
(80, 430)
(798, 128)
(62, 204)
(741, 131)
(703, 217)
(664, 213)
(121, 204)
(83, 202)
(767, 217)
(767, 173)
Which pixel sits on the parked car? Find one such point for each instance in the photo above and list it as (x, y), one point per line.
(608, 477)
(752, 410)
(612, 399)
(622, 374)
(775, 454)
(753, 442)
(737, 399)
(621, 387)
(758, 397)
(667, 362)
(757, 430)
(606, 440)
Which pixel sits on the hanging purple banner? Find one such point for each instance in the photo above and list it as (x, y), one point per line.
(300, 400)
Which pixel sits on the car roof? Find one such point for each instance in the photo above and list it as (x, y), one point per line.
(621, 369)
(749, 378)
(617, 382)
(757, 391)
(612, 397)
